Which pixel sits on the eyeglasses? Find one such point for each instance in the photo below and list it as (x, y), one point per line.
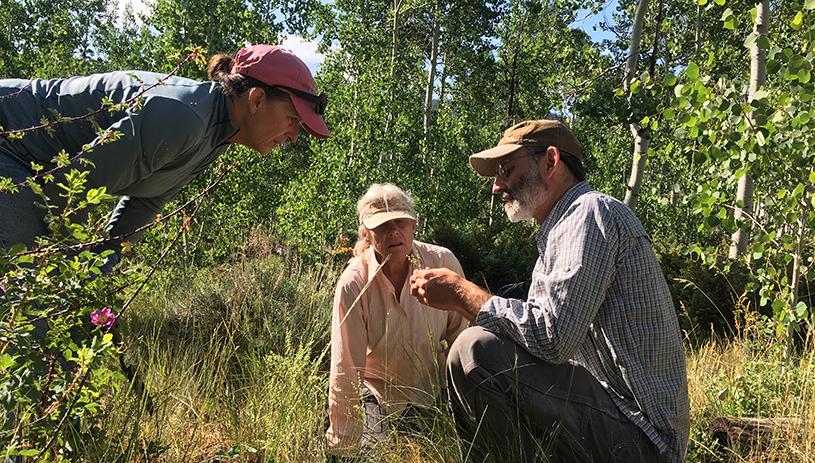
(320, 101)
(501, 170)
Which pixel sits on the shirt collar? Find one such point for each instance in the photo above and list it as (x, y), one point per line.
(557, 212)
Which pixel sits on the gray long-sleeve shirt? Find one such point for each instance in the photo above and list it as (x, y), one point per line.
(180, 128)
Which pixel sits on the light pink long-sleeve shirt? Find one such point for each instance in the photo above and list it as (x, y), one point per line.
(397, 348)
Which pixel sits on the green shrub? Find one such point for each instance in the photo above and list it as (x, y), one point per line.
(491, 255)
(707, 300)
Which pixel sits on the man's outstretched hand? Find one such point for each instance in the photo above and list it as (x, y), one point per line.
(444, 289)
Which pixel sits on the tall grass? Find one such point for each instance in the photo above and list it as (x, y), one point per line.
(232, 365)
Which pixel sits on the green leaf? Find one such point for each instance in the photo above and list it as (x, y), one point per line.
(750, 41)
(719, 2)
(16, 249)
(780, 330)
(108, 337)
(797, 21)
(799, 190)
(796, 61)
(669, 115)
(760, 94)
(6, 361)
(763, 43)
(94, 195)
(36, 188)
(809, 5)
(773, 66)
(670, 79)
(801, 310)
(804, 76)
(731, 22)
(692, 71)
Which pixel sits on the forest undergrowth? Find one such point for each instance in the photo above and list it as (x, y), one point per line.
(232, 365)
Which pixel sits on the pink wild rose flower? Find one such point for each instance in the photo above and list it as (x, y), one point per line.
(103, 317)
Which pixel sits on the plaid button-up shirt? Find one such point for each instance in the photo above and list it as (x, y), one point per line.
(599, 300)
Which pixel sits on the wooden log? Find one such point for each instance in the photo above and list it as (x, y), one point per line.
(745, 435)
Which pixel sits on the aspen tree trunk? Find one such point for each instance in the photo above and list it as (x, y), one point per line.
(698, 48)
(397, 5)
(431, 73)
(797, 263)
(641, 140)
(442, 78)
(511, 100)
(428, 97)
(758, 76)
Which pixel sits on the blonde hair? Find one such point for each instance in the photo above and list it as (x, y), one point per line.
(378, 192)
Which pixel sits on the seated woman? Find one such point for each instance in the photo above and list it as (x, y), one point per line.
(387, 349)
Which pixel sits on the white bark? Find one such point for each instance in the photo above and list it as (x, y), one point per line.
(641, 143)
(397, 5)
(698, 30)
(758, 76)
(431, 73)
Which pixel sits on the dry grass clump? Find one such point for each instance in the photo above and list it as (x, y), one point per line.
(746, 376)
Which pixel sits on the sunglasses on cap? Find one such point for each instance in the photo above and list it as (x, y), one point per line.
(320, 101)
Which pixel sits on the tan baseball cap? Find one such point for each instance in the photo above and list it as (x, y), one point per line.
(382, 209)
(543, 133)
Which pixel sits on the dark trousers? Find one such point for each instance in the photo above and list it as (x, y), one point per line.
(510, 406)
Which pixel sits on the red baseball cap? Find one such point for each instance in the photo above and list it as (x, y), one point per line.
(280, 68)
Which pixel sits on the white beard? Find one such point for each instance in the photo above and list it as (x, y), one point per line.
(530, 193)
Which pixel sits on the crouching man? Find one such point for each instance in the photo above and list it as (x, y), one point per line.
(591, 367)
